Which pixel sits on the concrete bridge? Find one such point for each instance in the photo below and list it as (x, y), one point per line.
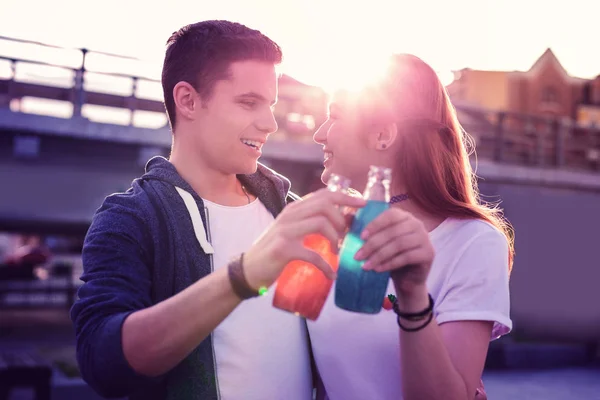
(55, 171)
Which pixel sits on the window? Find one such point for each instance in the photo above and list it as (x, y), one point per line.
(300, 123)
(549, 95)
(309, 121)
(595, 91)
(587, 94)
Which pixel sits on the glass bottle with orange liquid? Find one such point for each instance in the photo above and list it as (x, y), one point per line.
(302, 288)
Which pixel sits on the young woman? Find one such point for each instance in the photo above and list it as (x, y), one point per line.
(449, 255)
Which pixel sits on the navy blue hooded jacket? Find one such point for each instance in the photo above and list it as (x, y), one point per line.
(141, 249)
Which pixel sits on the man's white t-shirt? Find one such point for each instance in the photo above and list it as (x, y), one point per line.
(358, 355)
(261, 352)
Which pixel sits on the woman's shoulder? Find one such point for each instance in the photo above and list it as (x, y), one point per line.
(456, 238)
(467, 230)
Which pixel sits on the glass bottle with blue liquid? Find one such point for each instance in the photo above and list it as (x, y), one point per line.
(356, 289)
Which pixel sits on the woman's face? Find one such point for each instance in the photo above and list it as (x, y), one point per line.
(351, 143)
(344, 143)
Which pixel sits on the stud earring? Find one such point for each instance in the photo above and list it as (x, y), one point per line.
(383, 146)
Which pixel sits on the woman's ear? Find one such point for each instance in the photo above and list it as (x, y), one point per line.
(386, 136)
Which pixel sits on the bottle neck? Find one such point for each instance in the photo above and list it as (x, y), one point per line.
(377, 190)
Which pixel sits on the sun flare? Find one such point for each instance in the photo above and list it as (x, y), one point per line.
(354, 74)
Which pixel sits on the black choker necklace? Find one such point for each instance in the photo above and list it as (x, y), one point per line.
(399, 198)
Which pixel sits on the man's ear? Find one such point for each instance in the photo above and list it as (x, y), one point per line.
(186, 100)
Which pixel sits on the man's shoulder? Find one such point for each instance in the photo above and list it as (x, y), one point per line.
(125, 210)
(268, 171)
(132, 199)
(282, 183)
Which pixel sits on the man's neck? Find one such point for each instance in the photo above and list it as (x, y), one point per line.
(208, 183)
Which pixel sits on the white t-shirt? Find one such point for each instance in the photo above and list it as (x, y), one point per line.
(261, 352)
(358, 355)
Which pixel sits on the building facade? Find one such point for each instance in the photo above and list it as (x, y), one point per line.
(546, 89)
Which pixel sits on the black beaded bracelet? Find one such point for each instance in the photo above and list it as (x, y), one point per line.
(418, 316)
(417, 328)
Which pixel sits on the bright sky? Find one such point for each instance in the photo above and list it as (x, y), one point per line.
(331, 42)
(321, 38)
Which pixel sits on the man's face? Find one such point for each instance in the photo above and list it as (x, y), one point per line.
(233, 125)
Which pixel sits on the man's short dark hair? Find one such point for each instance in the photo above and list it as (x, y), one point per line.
(201, 53)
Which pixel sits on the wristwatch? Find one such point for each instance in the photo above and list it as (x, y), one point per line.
(238, 280)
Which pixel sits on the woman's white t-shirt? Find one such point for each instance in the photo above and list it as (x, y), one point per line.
(358, 355)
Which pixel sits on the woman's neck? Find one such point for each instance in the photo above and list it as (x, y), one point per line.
(429, 220)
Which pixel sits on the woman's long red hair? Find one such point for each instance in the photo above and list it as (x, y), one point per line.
(434, 163)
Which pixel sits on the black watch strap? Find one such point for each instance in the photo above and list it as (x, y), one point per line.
(238, 281)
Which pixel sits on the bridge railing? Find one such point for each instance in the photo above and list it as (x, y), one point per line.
(538, 141)
(504, 137)
(81, 77)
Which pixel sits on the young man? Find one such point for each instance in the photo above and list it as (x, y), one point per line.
(168, 263)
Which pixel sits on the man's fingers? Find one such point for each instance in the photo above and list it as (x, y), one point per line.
(339, 199)
(324, 203)
(316, 225)
(315, 259)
